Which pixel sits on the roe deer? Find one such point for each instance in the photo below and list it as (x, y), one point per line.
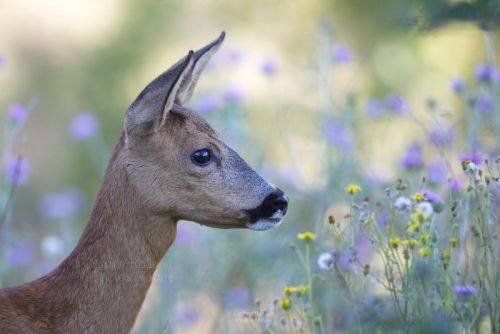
(168, 165)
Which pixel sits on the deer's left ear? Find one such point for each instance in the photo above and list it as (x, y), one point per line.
(150, 109)
(200, 60)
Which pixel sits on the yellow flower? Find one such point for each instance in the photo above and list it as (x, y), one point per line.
(394, 242)
(419, 197)
(413, 243)
(414, 226)
(368, 221)
(306, 236)
(301, 289)
(445, 255)
(454, 242)
(288, 290)
(418, 216)
(424, 251)
(424, 238)
(466, 164)
(351, 189)
(285, 304)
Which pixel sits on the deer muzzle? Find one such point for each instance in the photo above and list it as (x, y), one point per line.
(269, 213)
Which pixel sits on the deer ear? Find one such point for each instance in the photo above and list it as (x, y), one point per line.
(150, 109)
(200, 60)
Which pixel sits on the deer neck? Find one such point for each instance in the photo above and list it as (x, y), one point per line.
(113, 264)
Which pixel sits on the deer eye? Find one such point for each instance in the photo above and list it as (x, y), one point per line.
(202, 157)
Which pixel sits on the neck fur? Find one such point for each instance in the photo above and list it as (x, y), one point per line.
(106, 277)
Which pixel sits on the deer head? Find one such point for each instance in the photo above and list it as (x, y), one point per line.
(182, 168)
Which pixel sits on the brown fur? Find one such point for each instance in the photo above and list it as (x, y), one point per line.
(101, 285)
(149, 185)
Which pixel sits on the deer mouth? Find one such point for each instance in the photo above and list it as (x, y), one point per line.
(264, 224)
(268, 214)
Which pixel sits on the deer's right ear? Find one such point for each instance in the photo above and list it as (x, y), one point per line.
(150, 109)
(201, 58)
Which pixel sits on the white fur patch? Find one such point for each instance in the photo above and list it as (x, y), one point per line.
(266, 224)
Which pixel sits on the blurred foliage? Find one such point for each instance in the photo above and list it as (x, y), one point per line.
(486, 13)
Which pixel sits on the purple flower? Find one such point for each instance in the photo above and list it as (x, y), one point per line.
(186, 316)
(483, 73)
(2, 61)
(436, 172)
(412, 158)
(343, 259)
(431, 196)
(17, 170)
(63, 204)
(236, 297)
(20, 254)
(234, 94)
(374, 107)
(339, 136)
(395, 104)
(470, 162)
(17, 114)
(470, 157)
(341, 53)
(483, 103)
(206, 103)
(464, 291)
(495, 77)
(455, 185)
(382, 216)
(457, 85)
(83, 126)
(268, 66)
(441, 135)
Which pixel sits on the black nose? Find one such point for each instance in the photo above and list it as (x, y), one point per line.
(273, 202)
(276, 201)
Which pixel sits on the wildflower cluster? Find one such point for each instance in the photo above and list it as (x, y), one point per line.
(416, 258)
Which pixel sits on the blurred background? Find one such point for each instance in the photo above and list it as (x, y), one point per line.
(314, 94)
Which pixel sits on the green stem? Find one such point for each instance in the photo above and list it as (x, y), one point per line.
(309, 283)
(490, 46)
(289, 321)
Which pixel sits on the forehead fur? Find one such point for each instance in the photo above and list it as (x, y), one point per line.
(182, 116)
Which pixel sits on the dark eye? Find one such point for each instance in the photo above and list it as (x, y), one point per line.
(202, 157)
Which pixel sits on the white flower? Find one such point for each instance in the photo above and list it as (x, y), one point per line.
(471, 168)
(426, 208)
(52, 246)
(402, 203)
(325, 261)
(266, 322)
(297, 323)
